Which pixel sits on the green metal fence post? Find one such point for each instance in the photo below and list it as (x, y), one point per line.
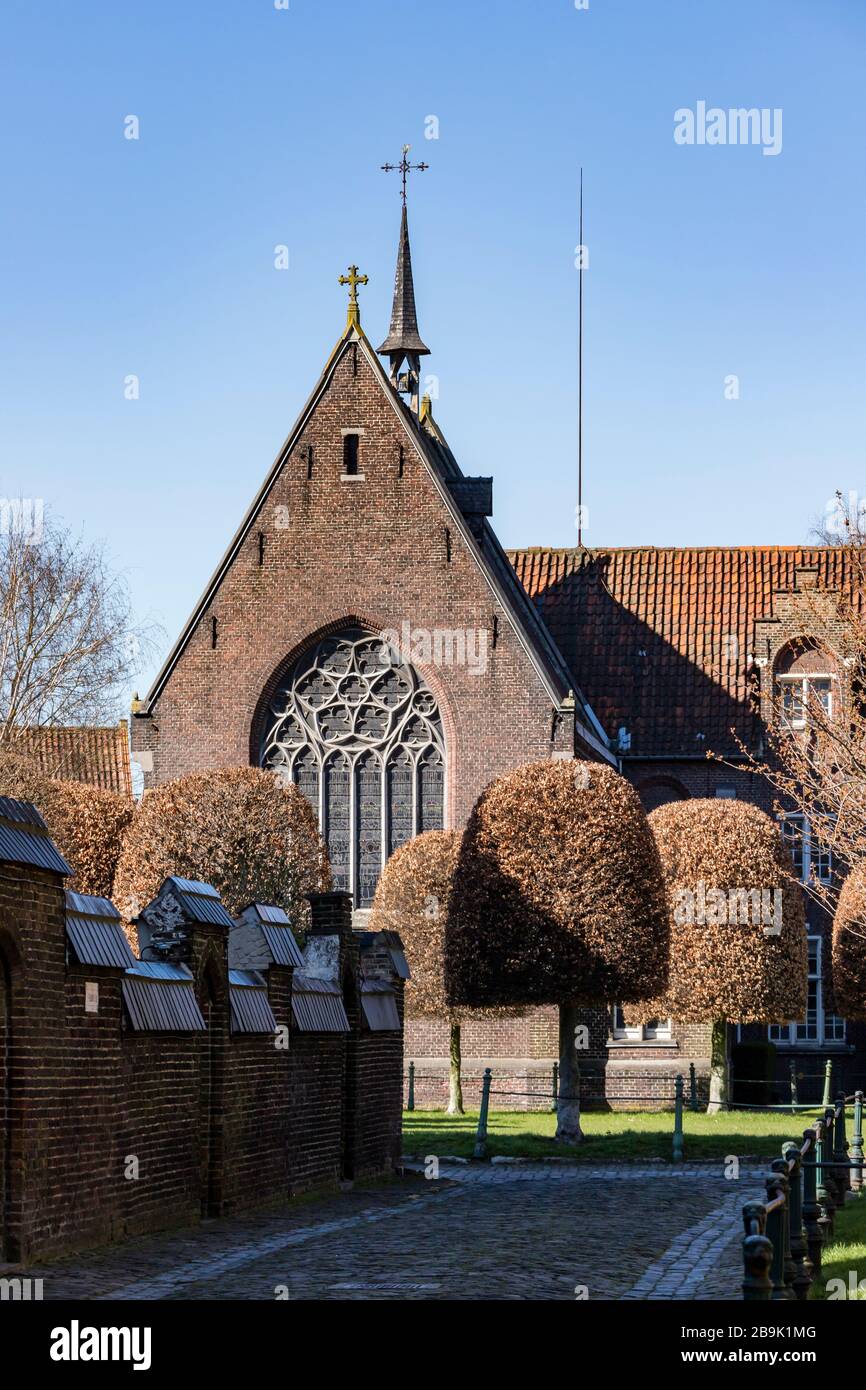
(825, 1196)
(777, 1232)
(410, 1102)
(802, 1264)
(828, 1082)
(757, 1254)
(693, 1087)
(840, 1150)
(793, 1087)
(811, 1209)
(830, 1179)
(780, 1166)
(555, 1086)
(857, 1144)
(678, 1121)
(480, 1150)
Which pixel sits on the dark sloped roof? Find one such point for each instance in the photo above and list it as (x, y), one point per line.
(96, 755)
(661, 638)
(201, 901)
(283, 946)
(24, 837)
(94, 932)
(317, 1006)
(379, 1007)
(269, 912)
(248, 1003)
(160, 998)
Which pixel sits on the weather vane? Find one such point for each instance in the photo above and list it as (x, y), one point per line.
(403, 168)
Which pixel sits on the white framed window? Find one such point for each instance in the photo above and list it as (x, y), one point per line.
(657, 1030)
(817, 1027)
(726, 793)
(796, 694)
(811, 859)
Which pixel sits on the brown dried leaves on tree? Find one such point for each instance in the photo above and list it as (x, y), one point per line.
(849, 946)
(236, 828)
(86, 823)
(413, 898)
(557, 894)
(738, 970)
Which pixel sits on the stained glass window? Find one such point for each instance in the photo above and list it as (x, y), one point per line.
(359, 733)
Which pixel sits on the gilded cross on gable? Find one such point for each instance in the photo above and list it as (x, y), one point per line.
(403, 168)
(353, 280)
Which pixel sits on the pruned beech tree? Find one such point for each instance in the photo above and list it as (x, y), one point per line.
(849, 946)
(737, 927)
(86, 823)
(557, 899)
(237, 828)
(413, 897)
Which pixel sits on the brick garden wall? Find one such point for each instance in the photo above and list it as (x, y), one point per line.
(108, 1132)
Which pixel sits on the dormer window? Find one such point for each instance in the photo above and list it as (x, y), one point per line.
(804, 685)
(799, 694)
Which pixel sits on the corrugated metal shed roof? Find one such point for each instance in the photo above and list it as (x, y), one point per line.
(269, 912)
(162, 970)
(196, 886)
(24, 837)
(397, 954)
(86, 905)
(379, 1006)
(317, 1006)
(248, 1003)
(283, 946)
(201, 901)
(160, 998)
(22, 812)
(96, 942)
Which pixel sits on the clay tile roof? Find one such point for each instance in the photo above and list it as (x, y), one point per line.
(85, 754)
(660, 639)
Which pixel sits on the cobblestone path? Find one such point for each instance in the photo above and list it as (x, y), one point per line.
(489, 1231)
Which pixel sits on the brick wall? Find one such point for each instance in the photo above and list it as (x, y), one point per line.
(108, 1132)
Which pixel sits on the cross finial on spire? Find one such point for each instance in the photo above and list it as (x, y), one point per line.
(403, 168)
(353, 280)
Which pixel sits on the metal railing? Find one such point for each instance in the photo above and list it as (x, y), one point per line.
(678, 1098)
(785, 1235)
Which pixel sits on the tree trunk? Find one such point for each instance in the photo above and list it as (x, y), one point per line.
(455, 1088)
(718, 1067)
(568, 1130)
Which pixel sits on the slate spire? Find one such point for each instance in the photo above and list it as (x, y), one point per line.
(403, 337)
(404, 343)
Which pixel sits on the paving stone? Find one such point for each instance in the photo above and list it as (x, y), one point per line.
(481, 1231)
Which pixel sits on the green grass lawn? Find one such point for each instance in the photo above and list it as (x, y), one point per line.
(846, 1254)
(637, 1134)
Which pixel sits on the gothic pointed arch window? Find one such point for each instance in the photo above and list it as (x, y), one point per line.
(359, 733)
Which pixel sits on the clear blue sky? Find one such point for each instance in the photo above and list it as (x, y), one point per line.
(261, 126)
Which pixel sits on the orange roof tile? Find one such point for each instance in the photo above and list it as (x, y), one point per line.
(99, 756)
(659, 639)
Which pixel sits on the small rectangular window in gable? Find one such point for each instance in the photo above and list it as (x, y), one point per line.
(350, 455)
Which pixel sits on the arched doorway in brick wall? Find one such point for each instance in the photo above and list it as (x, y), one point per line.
(358, 730)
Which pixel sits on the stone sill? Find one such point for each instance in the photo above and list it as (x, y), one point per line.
(626, 1044)
(352, 478)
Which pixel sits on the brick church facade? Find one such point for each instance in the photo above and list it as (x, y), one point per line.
(365, 531)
